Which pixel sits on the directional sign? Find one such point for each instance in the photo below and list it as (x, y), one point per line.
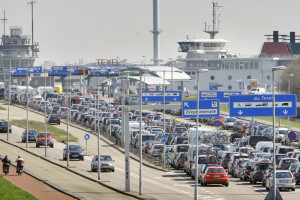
(63, 70)
(207, 108)
(223, 96)
(261, 106)
(292, 135)
(164, 138)
(158, 96)
(86, 136)
(101, 72)
(23, 71)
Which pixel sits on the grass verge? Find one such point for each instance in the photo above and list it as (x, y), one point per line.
(9, 191)
(59, 134)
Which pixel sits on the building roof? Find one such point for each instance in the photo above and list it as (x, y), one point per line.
(150, 80)
(170, 72)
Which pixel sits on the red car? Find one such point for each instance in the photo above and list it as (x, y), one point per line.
(218, 121)
(40, 140)
(215, 175)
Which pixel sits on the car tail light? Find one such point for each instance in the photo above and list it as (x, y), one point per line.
(257, 174)
(293, 181)
(146, 147)
(247, 170)
(153, 151)
(207, 175)
(282, 166)
(298, 173)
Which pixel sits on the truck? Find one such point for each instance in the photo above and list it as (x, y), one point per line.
(257, 91)
(41, 90)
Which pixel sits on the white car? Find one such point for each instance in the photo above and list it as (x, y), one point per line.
(284, 180)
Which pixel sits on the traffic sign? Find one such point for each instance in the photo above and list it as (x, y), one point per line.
(261, 105)
(86, 136)
(158, 96)
(63, 70)
(23, 71)
(292, 135)
(207, 108)
(217, 123)
(164, 138)
(223, 96)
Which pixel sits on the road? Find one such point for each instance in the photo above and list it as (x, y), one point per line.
(157, 184)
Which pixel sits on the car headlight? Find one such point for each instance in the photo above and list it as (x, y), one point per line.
(81, 153)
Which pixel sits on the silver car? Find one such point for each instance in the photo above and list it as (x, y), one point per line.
(284, 180)
(106, 163)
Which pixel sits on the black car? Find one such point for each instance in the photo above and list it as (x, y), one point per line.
(3, 126)
(75, 152)
(54, 119)
(31, 135)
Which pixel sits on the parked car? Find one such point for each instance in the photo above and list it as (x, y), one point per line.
(32, 134)
(40, 140)
(106, 162)
(215, 175)
(75, 152)
(284, 180)
(54, 119)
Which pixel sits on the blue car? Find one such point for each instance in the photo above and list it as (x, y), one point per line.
(75, 152)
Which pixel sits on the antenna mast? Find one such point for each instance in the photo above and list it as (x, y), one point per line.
(32, 2)
(4, 21)
(215, 30)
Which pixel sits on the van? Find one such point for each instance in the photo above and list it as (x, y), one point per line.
(260, 145)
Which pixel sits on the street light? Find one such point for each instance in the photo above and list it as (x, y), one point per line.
(289, 91)
(278, 68)
(45, 72)
(197, 127)
(30, 70)
(109, 73)
(142, 71)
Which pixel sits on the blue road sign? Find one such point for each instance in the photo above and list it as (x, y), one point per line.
(207, 108)
(86, 136)
(222, 96)
(292, 135)
(63, 70)
(23, 71)
(164, 138)
(218, 123)
(158, 96)
(261, 106)
(97, 72)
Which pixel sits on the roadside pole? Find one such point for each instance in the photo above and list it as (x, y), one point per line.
(127, 156)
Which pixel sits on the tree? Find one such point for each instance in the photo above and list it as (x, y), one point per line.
(293, 68)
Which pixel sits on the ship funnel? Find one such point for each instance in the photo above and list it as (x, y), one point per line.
(275, 36)
(292, 37)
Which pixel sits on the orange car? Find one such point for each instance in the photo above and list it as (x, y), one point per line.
(215, 175)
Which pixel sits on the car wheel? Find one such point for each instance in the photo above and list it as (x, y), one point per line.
(192, 177)
(201, 183)
(293, 189)
(52, 145)
(204, 183)
(254, 182)
(9, 131)
(82, 159)
(226, 184)
(267, 188)
(58, 123)
(113, 170)
(64, 158)
(251, 181)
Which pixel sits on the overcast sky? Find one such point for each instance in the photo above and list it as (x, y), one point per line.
(69, 30)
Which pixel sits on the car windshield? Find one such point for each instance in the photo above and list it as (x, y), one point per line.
(43, 135)
(105, 158)
(182, 148)
(231, 120)
(148, 137)
(3, 123)
(216, 170)
(283, 175)
(285, 150)
(289, 161)
(160, 147)
(30, 132)
(74, 147)
(54, 116)
(181, 140)
(202, 160)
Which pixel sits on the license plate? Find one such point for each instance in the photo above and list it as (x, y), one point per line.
(283, 181)
(75, 155)
(216, 175)
(105, 167)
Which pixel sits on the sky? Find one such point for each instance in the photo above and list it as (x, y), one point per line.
(70, 30)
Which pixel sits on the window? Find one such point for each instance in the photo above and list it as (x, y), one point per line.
(249, 77)
(248, 87)
(229, 77)
(268, 77)
(212, 78)
(232, 65)
(179, 87)
(36, 83)
(237, 65)
(255, 65)
(226, 65)
(229, 87)
(195, 87)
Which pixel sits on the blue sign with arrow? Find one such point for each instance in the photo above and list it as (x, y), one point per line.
(262, 106)
(207, 108)
(223, 96)
(23, 71)
(86, 136)
(63, 70)
(158, 96)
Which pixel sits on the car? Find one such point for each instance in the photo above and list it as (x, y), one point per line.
(228, 122)
(3, 126)
(75, 152)
(106, 162)
(297, 175)
(260, 168)
(54, 119)
(284, 180)
(32, 134)
(40, 140)
(286, 162)
(215, 175)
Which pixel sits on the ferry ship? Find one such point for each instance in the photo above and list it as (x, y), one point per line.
(228, 71)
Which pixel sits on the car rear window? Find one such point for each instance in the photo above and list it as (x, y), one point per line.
(290, 161)
(54, 117)
(283, 175)
(285, 150)
(216, 170)
(182, 148)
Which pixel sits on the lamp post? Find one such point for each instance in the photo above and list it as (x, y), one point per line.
(289, 91)
(170, 59)
(45, 71)
(9, 98)
(164, 118)
(27, 110)
(142, 71)
(197, 127)
(109, 73)
(278, 68)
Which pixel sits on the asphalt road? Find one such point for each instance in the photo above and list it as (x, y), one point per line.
(157, 184)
